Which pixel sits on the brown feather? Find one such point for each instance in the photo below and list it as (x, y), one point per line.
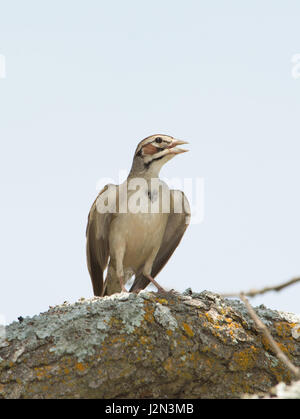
(150, 149)
(97, 248)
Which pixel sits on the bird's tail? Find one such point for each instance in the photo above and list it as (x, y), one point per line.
(140, 283)
(95, 271)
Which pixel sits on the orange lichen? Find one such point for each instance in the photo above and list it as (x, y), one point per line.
(42, 372)
(245, 359)
(188, 330)
(162, 301)
(283, 329)
(80, 367)
(117, 339)
(149, 311)
(240, 385)
(144, 340)
(168, 365)
(208, 316)
(286, 347)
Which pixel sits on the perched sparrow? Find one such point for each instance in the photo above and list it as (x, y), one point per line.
(135, 227)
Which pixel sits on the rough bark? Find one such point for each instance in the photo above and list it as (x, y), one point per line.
(145, 346)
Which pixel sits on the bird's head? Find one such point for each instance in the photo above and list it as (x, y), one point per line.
(154, 151)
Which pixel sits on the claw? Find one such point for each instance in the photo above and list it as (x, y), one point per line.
(159, 288)
(172, 291)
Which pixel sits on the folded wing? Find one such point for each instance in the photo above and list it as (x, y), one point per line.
(97, 247)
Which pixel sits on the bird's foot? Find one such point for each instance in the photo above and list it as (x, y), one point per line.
(173, 292)
(160, 289)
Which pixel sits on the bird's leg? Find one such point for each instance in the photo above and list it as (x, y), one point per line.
(148, 269)
(121, 279)
(159, 288)
(137, 290)
(119, 265)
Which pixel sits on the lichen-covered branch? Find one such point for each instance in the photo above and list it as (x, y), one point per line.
(273, 344)
(146, 346)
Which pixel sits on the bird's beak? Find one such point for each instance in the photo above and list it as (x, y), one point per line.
(173, 149)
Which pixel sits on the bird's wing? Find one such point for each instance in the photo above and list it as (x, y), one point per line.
(97, 233)
(175, 229)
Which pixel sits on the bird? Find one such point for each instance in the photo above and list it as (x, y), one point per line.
(134, 228)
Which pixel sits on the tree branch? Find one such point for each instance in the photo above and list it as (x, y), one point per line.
(263, 328)
(253, 292)
(146, 346)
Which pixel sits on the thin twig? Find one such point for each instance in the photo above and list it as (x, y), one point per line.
(253, 293)
(263, 328)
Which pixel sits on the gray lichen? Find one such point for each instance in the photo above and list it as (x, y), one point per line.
(163, 316)
(86, 317)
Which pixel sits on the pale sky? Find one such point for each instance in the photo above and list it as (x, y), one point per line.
(86, 81)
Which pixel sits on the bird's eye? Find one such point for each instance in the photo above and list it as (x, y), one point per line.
(158, 140)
